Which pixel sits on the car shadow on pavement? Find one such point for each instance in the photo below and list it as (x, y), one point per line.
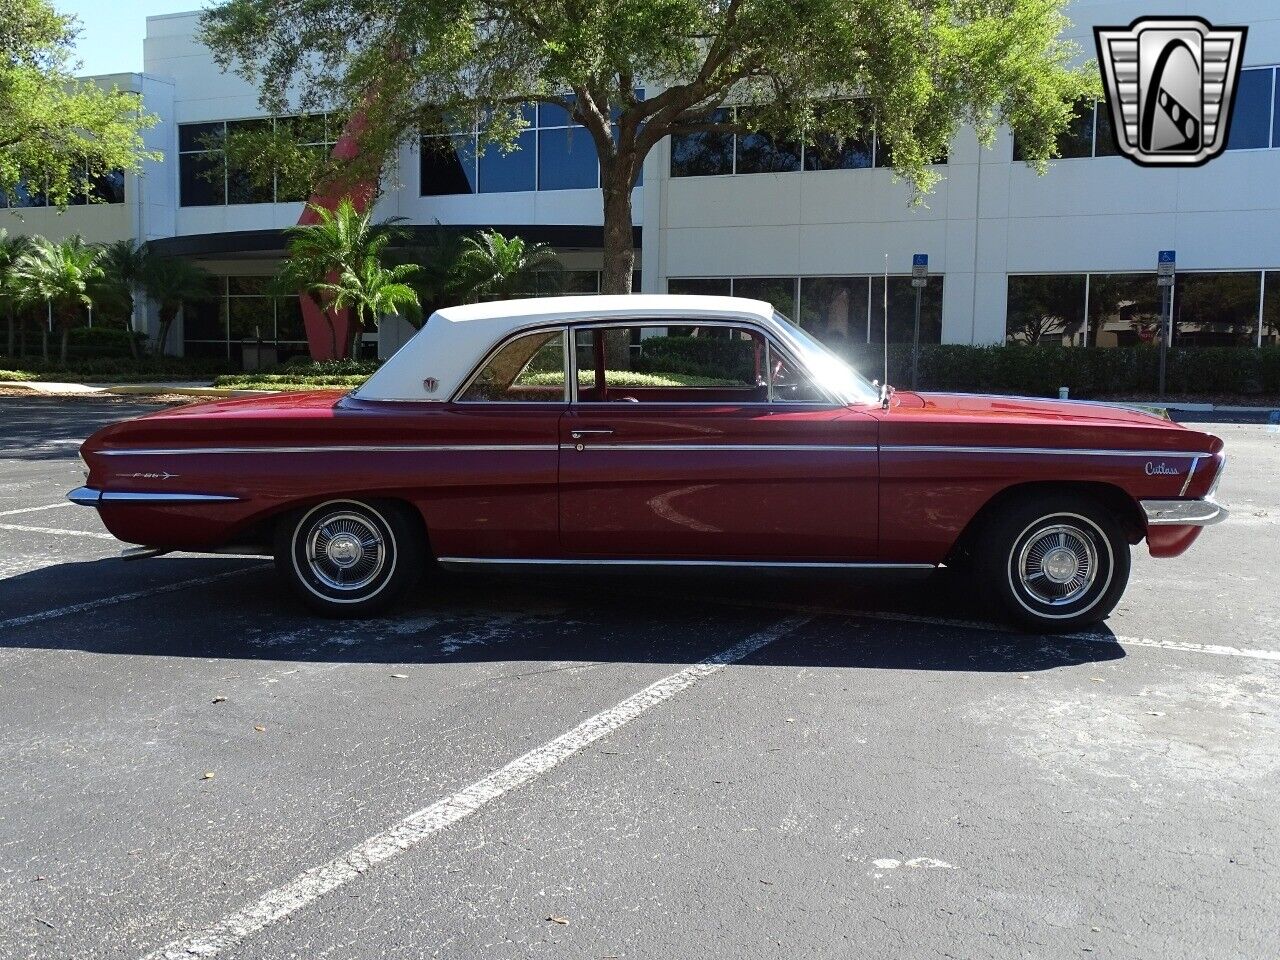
(840, 622)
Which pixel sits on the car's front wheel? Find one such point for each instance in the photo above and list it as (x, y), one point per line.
(350, 558)
(1054, 562)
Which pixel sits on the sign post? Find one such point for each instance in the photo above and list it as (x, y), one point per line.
(919, 278)
(1166, 269)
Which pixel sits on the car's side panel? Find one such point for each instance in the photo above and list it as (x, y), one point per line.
(938, 471)
(748, 482)
(483, 476)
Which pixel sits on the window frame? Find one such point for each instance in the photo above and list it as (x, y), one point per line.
(770, 342)
(501, 345)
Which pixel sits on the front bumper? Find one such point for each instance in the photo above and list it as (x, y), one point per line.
(1183, 513)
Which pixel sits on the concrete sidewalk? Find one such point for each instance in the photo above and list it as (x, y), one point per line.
(193, 388)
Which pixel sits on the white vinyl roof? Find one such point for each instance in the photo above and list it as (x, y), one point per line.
(454, 340)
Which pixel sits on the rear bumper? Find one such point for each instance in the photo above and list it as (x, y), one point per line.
(1183, 513)
(91, 497)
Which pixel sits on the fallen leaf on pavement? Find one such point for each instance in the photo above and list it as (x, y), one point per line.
(401, 676)
(560, 920)
(260, 729)
(219, 699)
(207, 775)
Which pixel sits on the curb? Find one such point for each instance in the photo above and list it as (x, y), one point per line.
(147, 389)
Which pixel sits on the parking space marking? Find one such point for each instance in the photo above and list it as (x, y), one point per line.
(30, 618)
(47, 506)
(1182, 646)
(59, 531)
(277, 904)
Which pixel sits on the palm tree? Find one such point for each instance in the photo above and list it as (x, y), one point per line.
(492, 266)
(341, 241)
(12, 249)
(371, 291)
(124, 264)
(172, 282)
(62, 275)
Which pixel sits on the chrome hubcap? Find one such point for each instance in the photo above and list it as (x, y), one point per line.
(345, 551)
(1058, 565)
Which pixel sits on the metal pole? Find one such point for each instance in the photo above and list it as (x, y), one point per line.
(1165, 323)
(915, 346)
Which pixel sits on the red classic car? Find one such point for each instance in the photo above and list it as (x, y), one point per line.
(662, 431)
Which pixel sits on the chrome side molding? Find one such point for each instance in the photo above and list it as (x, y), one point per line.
(90, 497)
(1189, 513)
(465, 562)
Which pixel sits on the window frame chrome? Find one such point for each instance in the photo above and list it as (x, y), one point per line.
(770, 341)
(511, 337)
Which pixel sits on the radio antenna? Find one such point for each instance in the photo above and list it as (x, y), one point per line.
(884, 384)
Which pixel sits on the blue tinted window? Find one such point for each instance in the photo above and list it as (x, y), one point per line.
(553, 115)
(509, 172)
(448, 165)
(763, 152)
(567, 160)
(1251, 119)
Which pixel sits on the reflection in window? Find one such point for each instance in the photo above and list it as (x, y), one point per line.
(447, 165)
(902, 310)
(1251, 117)
(206, 179)
(528, 369)
(1216, 309)
(779, 291)
(240, 309)
(567, 159)
(707, 362)
(1076, 141)
(509, 172)
(764, 152)
(1046, 310)
(835, 309)
(705, 154)
(700, 286)
(1124, 309)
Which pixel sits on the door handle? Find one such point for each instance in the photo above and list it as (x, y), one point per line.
(601, 432)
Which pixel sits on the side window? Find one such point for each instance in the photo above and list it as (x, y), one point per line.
(789, 384)
(529, 369)
(671, 363)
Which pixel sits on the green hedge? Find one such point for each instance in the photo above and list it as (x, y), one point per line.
(103, 342)
(116, 370)
(717, 357)
(1040, 371)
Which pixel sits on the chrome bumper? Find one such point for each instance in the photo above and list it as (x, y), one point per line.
(89, 497)
(1185, 513)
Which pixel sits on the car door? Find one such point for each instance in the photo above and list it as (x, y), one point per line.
(706, 442)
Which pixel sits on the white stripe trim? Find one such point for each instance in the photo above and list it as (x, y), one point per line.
(275, 905)
(372, 448)
(722, 447)
(1044, 451)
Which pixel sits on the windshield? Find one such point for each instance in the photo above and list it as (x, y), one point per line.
(830, 370)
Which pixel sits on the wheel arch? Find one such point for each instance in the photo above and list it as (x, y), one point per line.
(1111, 497)
(263, 530)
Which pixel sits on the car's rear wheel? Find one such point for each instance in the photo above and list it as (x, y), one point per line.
(350, 558)
(1054, 562)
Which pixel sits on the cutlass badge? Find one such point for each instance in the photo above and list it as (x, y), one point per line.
(1160, 469)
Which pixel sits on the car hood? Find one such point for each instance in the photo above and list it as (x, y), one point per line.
(962, 418)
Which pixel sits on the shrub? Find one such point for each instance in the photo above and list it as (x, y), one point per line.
(698, 357)
(83, 342)
(1040, 371)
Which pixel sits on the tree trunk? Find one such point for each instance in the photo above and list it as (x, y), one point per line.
(357, 330)
(166, 321)
(62, 347)
(619, 252)
(44, 342)
(12, 336)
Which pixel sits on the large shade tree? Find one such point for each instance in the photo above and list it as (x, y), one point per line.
(58, 132)
(915, 69)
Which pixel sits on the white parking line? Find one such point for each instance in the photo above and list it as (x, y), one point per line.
(47, 506)
(59, 531)
(123, 598)
(307, 887)
(1182, 646)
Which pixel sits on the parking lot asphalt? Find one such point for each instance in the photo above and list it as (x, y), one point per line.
(632, 767)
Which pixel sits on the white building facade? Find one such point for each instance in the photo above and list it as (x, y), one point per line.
(1067, 257)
